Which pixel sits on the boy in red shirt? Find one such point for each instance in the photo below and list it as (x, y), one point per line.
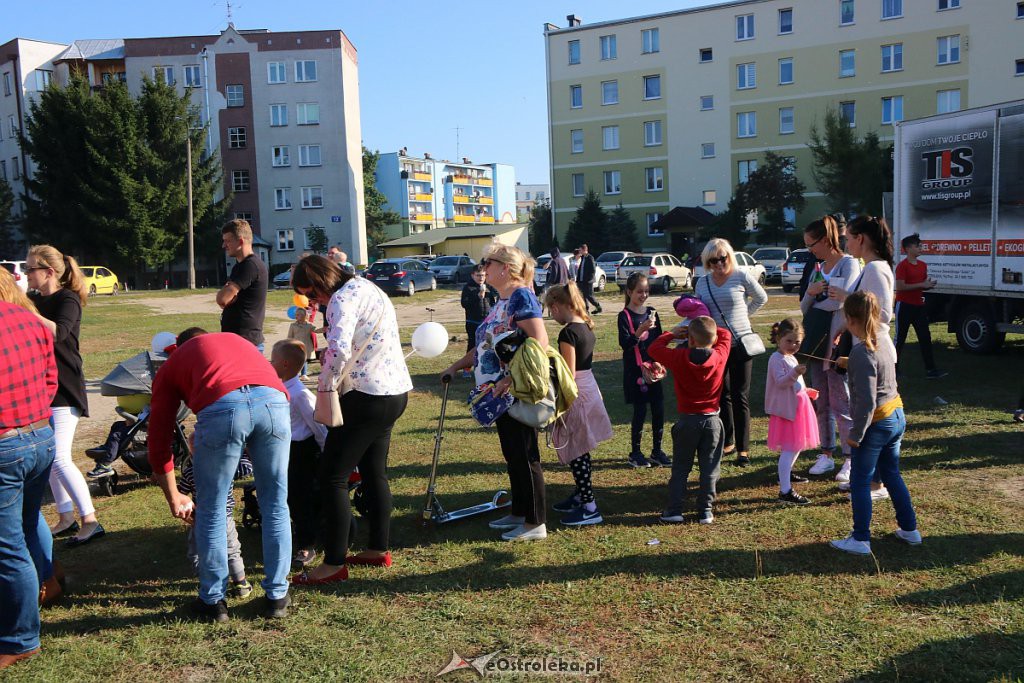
(911, 282)
(697, 372)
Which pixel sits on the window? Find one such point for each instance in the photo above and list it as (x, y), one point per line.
(786, 124)
(746, 76)
(745, 168)
(305, 70)
(847, 63)
(15, 168)
(279, 115)
(280, 156)
(576, 96)
(576, 137)
(892, 57)
(7, 83)
(236, 138)
(312, 197)
(612, 182)
(240, 181)
(652, 87)
(309, 155)
(949, 49)
(707, 102)
(164, 73)
(1018, 67)
(43, 79)
(650, 41)
(276, 73)
(3, 169)
(949, 4)
(574, 52)
(710, 197)
(947, 101)
(785, 71)
(652, 133)
(845, 12)
(286, 240)
(307, 114)
(609, 92)
(848, 110)
(785, 21)
(1020, 14)
(745, 27)
(235, 95)
(706, 55)
(12, 126)
(892, 109)
(892, 9)
(577, 185)
(653, 218)
(610, 137)
(608, 47)
(282, 198)
(746, 124)
(193, 79)
(707, 150)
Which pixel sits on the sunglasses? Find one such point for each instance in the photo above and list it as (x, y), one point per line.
(36, 268)
(718, 260)
(811, 245)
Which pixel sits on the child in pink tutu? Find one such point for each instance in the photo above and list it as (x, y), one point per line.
(793, 424)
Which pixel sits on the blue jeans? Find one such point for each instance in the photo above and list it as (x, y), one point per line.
(25, 461)
(879, 451)
(256, 418)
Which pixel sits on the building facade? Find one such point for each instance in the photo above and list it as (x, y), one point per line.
(676, 109)
(529, 196)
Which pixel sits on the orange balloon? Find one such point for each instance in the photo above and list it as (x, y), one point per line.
(301, 301)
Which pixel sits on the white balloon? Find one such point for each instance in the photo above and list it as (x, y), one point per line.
(430, 340)
(161, 340)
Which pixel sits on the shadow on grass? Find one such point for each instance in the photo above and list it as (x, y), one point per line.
(981, 657)
(1005, 586)
(964, 452)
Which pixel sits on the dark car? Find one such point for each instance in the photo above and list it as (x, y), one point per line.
(405, 275)
(454, 269)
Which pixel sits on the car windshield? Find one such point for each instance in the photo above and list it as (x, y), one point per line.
(637, 261)
(801, 257)
(543, 261)
(770, 254)
(610, 257)
(9, 266)
(383, 268)
(87, 271)
(445, 261)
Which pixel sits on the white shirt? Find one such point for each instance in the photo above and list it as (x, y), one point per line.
(302, 403)
(351, 315)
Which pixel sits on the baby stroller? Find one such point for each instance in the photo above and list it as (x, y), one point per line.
(131, 381)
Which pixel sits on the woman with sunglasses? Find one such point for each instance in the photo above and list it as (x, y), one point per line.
(732, 296)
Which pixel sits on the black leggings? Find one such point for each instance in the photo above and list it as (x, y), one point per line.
(657, 423)
(907, 316)
(735, 408)
(581, 474)
(303, 462)
(526, 478)
(362, 441)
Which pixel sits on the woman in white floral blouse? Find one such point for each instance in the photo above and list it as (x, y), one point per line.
(373, 397)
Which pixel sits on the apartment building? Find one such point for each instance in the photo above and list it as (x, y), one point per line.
(529, 196)
(433, 193)
(675, 109)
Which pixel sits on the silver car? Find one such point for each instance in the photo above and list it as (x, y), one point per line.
(793, 269)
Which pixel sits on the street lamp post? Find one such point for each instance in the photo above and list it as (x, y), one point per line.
(191, 239)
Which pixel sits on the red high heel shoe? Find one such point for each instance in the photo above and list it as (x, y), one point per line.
(381, 561)
(304, 579)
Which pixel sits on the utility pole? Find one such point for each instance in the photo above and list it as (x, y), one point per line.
(458, 154)
(191, 231)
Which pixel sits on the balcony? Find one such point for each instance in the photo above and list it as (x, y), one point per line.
(485, 200)
(464, 218)
(423, 217)
(417, 175)
(460, 198)
(422, 197)
(485, 219)
(460, 179)
(486, 182)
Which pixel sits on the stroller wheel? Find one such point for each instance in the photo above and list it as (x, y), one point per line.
(107, 485)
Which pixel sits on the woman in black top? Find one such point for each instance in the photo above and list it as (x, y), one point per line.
(59, 294)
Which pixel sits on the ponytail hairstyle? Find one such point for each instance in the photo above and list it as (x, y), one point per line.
(878, 233)
(825, 227)
(634, 280)
(784, 327)
(862, 306)
(568, 295)
(69, 275)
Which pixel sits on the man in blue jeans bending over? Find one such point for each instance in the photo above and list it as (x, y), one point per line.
(239, 403)
(28, 382)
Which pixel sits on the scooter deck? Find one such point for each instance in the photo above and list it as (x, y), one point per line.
(439, 516)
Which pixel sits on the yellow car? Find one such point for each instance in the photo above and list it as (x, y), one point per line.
(100, 280)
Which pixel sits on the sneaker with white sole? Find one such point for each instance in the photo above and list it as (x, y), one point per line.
(567, 505)
(880, 494)
(843, 475)
(793, 498)
(672, 517)
(852, 545)
(582, 517)
(638, 461)
(844, 486)
(706, 517)
(909, 537)
(507, 522)
(521, 533)
(823, 464)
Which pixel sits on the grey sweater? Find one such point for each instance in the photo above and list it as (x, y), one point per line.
(739, 298)
(872, 383)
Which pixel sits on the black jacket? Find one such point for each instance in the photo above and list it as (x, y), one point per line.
(587, 270)
(477, 307)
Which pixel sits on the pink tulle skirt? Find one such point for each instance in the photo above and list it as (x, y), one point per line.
(795, 435)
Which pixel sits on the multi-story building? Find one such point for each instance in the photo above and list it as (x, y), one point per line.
(529, 196)
(433, 193)
(283, 110)
(676, 109)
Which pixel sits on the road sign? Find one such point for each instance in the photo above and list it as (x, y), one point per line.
(335, 219)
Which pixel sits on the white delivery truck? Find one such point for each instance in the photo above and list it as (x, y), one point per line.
(959, 184)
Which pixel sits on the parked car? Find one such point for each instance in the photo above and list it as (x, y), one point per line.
(283, 280)
(793, 268)
(744, 262)
(609, 261)
(540, 273)
(100, 280)
(772, 259)
(395, 275)
(426, 258)
(454, 269)
(17, 269)
(664, 271)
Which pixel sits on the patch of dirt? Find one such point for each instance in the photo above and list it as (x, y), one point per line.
(1013, 487)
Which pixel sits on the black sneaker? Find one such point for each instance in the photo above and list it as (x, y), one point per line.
(217, 613)
(567, 505)
(276, 609)
(638, 461)
(660, 458)
(793, 498)
(795, 478)
(100, 471)
(742, 460)
(936, 374)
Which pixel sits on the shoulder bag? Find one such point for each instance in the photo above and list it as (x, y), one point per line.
(750, 341)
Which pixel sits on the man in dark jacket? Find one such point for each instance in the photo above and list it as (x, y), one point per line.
(585, 276)
(558, 270)
(477, 299)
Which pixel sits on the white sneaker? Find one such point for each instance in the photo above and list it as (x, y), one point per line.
(909, 537)
(844, 486)
(843, 476)
(880, 494)
(852, 545)
(823, 464)
(507, 522)
(521, 533)
(707, 517)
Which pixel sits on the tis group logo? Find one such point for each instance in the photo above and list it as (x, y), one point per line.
(947, 168)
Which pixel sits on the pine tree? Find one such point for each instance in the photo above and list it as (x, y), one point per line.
(851, 173)
(769, 190)
(622, 231)
(377, 217)
(540, 237)
(589, 226)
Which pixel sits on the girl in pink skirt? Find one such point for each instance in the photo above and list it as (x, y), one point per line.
(793, 424)
(586, 424)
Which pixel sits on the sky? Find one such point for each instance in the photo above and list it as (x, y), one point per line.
(425, 68)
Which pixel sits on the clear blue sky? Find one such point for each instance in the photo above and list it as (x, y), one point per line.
(424, 68)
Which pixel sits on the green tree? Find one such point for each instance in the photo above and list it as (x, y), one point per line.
(730, 224)
(541, 239)
(769, 190)
(377, 217)
(622, 230)
(589, 226)
(850, 172)
(6, 229)
(316, 238)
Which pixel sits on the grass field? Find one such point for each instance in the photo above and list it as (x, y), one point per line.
(757, 595)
